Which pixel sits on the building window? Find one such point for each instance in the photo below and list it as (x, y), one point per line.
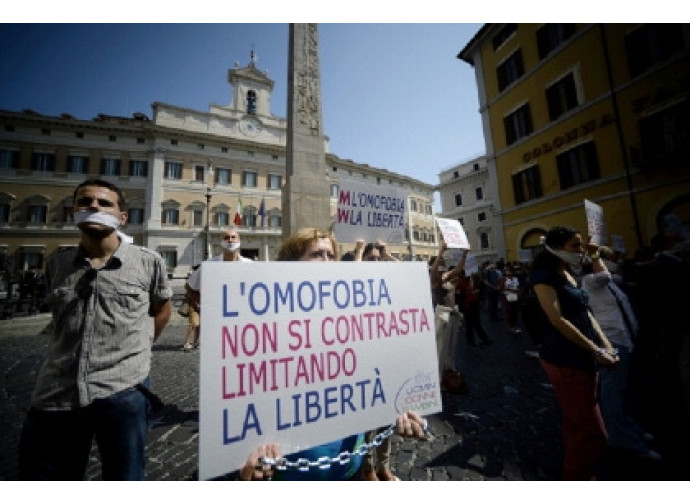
(222, 218)
(527, 184)
(458, 199)
(224, 176)
(578, 165)
(461, 220)
(110, 167)
(140, 140)
(518, 124)
(481, 216)
(138, 168)
(173, 142)
(274, 181)
(43, 162)
(197, 218)
(249, 218)
(510, 70)
(45, 131)
(112, 138)
(37, 214)
(9, 158)
(135, 216)
(200, 146)
(552, 35)
(334, 190)
(199, 173)
(651, 44)
(506, 32)
(170, 258)
(251, 102)
(4, 213)
(484, 241)
(274, 221)
(475, 167)
(79, 134)
(172, 170)
(224, 150)
(249, 178)
(170, 216)
(561, 97)
(479, 192)
(68, 214)
(665, 135)
(77, 164)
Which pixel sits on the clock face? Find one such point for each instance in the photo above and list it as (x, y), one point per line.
(250, 127)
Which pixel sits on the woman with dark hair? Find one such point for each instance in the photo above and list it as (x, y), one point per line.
(573, 346)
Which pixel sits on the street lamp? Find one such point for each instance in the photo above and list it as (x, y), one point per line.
(207, 233)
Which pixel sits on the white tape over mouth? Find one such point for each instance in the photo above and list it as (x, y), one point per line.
(102, 218)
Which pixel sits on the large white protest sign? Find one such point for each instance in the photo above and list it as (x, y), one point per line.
(371, 212)
(453, 233)
(596, 227)
(310, 353)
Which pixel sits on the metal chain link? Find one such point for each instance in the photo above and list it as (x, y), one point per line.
(323, 463)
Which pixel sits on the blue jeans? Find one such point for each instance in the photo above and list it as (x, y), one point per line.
(55, 445)
(623, 431)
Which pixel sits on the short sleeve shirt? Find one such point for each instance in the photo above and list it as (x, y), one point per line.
(102, 329)
(194, 280)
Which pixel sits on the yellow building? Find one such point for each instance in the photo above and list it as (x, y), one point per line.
(182, 171)
(575, 112)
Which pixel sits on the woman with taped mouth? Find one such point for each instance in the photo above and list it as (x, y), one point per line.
(311, 244)
(573, 347)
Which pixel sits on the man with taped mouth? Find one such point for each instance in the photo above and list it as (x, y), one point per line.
(110, 299)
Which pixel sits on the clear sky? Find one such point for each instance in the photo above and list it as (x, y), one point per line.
(395, 96)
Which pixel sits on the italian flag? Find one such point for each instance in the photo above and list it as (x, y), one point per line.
(239, 213)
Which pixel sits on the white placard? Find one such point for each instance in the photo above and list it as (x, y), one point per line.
(370, 212)
(310, 353)
(596, 226)
(453, 233)
(526, 255)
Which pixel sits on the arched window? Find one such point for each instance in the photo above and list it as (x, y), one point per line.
(251, 102)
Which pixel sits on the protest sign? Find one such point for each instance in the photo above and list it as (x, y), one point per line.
(310, 353)
(525, 255)
(596, 227)
(453, 233)
(371, 212)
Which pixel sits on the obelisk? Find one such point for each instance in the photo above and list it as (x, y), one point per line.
(306, 193)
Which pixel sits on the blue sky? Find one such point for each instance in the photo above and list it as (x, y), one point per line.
(395, 96)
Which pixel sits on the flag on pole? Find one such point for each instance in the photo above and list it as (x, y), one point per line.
(239, 213)
(262, 212)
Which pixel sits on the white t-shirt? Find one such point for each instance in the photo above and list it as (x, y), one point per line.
(194, 280)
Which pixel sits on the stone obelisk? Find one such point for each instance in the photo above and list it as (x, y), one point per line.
(306, 193)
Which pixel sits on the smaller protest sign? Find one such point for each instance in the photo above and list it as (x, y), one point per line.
(596, 226)
(370, 212)
(453, 233)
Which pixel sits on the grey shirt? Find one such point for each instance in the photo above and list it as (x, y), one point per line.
(102, 328)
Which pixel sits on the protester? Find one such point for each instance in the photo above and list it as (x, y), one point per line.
(471, 288)
(311, 244)
(616, 318)
(509, 285)
(448, 319)
(492, 276)
(191, 337)
(572, 347)
(109, 301)
(230, 242)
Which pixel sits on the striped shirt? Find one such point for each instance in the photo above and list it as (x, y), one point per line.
(102, 328)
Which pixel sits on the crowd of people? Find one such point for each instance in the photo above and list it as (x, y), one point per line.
(604, 325)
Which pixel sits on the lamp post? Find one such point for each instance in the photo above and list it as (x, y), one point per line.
(207, 233)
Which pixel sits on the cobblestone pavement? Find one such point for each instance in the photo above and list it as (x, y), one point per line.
(505, 427)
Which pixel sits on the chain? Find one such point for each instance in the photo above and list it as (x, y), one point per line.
(303, 464)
